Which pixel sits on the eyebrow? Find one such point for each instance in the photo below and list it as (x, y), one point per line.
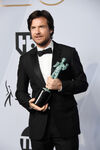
(38, 26)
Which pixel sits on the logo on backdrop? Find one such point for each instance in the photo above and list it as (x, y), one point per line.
(12, 5)
(24, 42)
(55, 2)
(25, 142)
(9, 94)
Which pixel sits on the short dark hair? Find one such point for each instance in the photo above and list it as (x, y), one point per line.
(41, 13)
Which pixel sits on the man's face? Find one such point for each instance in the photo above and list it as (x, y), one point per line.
(40, 32)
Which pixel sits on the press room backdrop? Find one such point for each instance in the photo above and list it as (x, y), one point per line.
(77, 23)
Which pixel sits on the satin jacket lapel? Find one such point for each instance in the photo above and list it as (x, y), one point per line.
(36, 67)
(56, 56)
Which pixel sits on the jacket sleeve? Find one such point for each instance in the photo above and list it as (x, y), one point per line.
(22, 94)
(78, 83)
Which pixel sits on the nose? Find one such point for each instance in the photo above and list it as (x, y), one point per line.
(37, 31)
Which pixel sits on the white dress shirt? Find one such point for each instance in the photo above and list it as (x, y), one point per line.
(45, 62)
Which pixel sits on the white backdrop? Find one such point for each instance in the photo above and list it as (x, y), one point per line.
(77, 24)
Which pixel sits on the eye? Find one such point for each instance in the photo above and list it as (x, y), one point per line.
(32, 27)
(42, 26)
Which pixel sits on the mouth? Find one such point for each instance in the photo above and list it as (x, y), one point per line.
(38, 37)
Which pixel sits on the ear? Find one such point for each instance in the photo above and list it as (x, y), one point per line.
(51, 31)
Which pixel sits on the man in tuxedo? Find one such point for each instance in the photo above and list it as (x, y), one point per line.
(57, 122)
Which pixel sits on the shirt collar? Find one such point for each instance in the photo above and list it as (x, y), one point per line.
(49, 46)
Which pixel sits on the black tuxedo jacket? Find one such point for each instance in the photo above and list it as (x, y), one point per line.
(63, 107)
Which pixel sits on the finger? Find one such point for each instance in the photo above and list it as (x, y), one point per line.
(32, 100)
(46, 86)
(50, 77)
(45, 107)
(41, 108)
(36, 107)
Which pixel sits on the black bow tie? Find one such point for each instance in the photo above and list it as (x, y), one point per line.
(46, 51)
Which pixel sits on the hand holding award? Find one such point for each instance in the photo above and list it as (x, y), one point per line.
(45, 93)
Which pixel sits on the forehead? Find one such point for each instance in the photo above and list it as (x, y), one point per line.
(39, 21)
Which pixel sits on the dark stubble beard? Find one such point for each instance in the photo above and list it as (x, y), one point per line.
(44, 43)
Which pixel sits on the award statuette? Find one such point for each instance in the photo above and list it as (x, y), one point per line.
(45, 93)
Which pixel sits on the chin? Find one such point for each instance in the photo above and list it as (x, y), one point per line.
(42, 43)
(39, 42)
